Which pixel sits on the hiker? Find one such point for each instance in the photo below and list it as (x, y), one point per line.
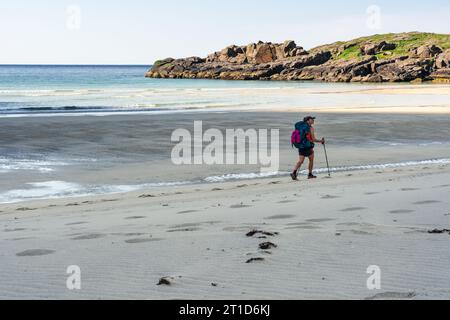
(303, 139)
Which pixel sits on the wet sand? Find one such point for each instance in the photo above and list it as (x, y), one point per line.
(136, 149)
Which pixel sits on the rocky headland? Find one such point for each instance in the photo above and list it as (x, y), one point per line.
(401, 57)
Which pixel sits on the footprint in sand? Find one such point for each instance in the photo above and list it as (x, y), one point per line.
(142, 240)
(409, 189)
(19, 239)
(75, 223)
(185, 225)
(415, 230)
(14, 230)
(133, 234)
(280, 216)
(238, 206)
(371, 193)
(360, 232)
(353, 209)
(305, 227)
(72, 204)
(135, 217)
(401, 211)
(89, 236)
(286, 201)
(329, 196)
(142, 196)
(320, 220)
(34, 252)
(184, 230)
(187, 211)
(109, 200)
(392, 295)
(25, 209)
(426, 202)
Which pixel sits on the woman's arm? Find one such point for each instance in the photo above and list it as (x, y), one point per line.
(313, 136)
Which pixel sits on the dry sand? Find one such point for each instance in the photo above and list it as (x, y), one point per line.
(329, 232)
(375, 92)
(418, 110)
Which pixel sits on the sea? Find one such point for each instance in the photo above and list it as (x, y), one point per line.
(33, 90)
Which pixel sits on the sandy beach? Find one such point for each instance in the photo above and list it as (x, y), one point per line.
(326, 232)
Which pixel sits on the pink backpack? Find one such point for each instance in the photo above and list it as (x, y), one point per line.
(295, 137)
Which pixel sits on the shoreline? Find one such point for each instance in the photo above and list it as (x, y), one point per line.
(284, 99)
(218, 181)
(128, 152)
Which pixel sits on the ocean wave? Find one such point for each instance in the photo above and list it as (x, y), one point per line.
(255, 175)
(243, 176)
(443, 161)
(18, 109)
(43, 93)
(41, 190)
(129, 92)
(42, 165)
(76, 110)
(51, 109)
(61, 189)
(9, 164)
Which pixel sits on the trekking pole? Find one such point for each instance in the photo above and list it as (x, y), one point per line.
(326, 157)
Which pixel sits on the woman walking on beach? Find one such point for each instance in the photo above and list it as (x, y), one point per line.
(303, 138)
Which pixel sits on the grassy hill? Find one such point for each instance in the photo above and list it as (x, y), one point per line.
(346, 50)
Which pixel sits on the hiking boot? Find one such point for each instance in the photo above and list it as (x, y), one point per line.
(294, 176)
(311, 176)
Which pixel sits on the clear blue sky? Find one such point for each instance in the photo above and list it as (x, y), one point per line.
(139, 32)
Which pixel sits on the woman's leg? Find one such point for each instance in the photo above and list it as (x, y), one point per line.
(300, 161)
(311, 162)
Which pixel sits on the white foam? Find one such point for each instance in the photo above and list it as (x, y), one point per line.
(41, 190)
(10, 164)
(62, 189)
(382, 166)
(242, 176)
(247, 176)
(433, 143)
